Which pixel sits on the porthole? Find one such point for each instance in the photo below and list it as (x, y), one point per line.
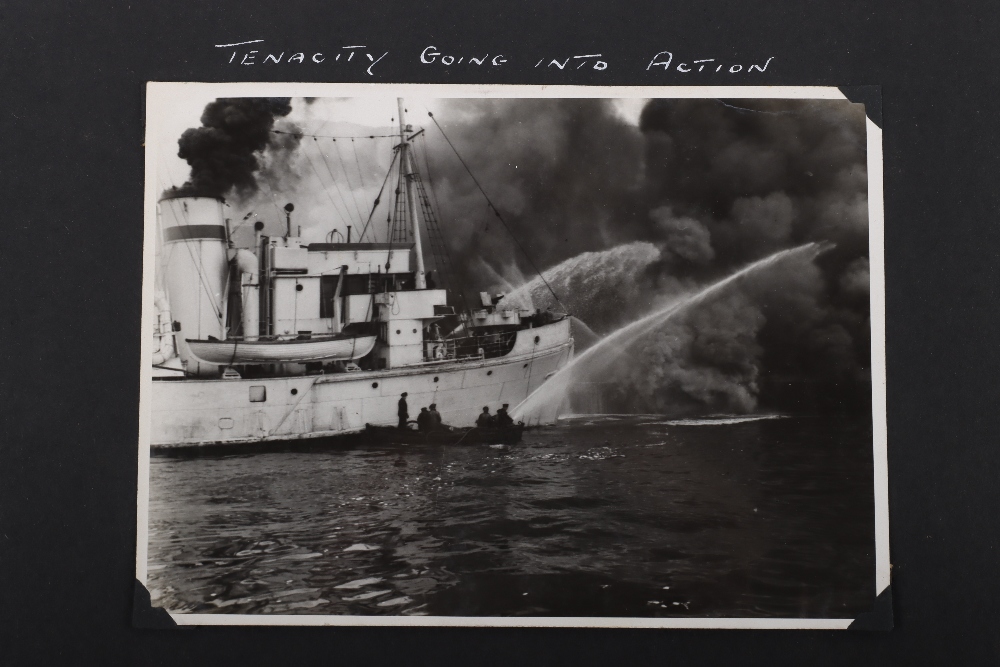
(436, 378)
(294, 391)
(398, 332)
(414, 331)
(537, 339)
(298, 288)
(374, 385)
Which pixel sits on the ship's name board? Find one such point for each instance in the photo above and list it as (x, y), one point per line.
(255, 52)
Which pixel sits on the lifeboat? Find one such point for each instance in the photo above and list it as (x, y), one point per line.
(317, 348)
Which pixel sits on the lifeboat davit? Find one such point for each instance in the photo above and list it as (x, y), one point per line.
(317, 348)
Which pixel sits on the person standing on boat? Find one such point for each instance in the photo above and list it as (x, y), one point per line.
(424, 420)
(403, 413)
(485, 419)
(503, 419)
(434, 418)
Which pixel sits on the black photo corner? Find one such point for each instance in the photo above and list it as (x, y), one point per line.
(74, 175)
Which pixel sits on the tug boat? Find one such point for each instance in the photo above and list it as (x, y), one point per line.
(295, 341)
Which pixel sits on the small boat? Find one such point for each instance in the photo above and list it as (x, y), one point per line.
(317, 348)
(391, 435)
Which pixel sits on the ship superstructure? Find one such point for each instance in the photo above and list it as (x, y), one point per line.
(295, 340)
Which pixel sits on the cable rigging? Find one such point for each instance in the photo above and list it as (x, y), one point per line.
(330, 136)
(439, 247)
(497, 212)
(378, 198)
(343, 167)
(336, 184)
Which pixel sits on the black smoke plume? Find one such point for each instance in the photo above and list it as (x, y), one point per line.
(227, 151)
(699, 189)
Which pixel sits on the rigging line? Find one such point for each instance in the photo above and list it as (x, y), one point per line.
(771, 113)
(430, 184)
(437, 242)
(336, 184)
(232, 232)
(497, 213)
(361, 175)
(200, 270)
(326, 190)
(165, 173)
(270, 192)
(431, 220)
(354, 194)
(378, 198)
(452, 277)
(166, 251)
(164, 161)
(330, 136)
(397, 229)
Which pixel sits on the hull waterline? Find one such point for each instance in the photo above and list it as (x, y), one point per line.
(196, 412)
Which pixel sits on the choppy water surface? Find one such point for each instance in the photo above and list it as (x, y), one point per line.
(598, 516)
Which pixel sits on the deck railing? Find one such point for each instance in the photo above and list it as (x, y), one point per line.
(487, 346)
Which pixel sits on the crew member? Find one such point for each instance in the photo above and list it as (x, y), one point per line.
(485, 419)
(424, 420)
(403, 413)
(434, 418)
(503, 419)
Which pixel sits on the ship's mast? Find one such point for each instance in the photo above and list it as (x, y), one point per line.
(406, 161)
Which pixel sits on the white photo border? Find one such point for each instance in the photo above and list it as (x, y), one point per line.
(158, 93)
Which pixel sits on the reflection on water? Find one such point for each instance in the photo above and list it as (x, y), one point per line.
(597, 516)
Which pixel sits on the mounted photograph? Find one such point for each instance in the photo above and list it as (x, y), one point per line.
(512, 356)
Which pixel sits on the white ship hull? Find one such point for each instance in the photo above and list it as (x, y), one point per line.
(195, 412)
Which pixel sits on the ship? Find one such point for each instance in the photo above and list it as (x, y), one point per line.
(294, 341)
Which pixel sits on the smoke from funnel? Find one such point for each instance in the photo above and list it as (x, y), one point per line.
(226, 152)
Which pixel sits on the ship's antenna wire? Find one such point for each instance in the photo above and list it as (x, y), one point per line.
(361, 175)
(262, 180)
(336, 184)
(330, 136)
(343, 167)
(497, 213)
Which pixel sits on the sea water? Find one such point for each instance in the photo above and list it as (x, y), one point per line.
(598, 515)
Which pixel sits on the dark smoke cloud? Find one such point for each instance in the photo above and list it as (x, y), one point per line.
(685, 238)
(713, 185)
(227, 151)
(705, 360)
(561, 172)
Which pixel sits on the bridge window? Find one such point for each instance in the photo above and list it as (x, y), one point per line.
(361, 283)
